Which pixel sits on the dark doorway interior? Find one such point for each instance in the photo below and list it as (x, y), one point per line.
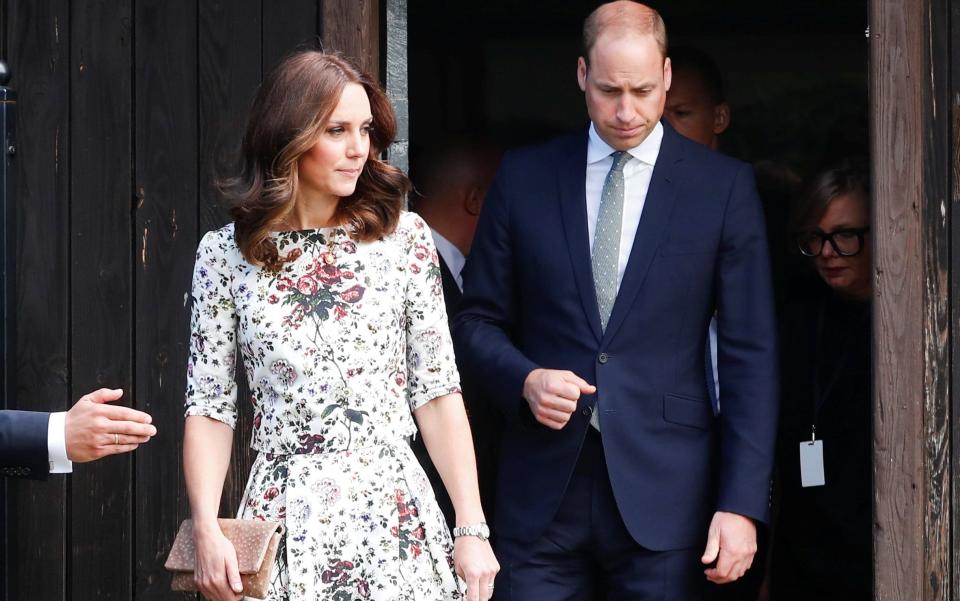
(795, 73)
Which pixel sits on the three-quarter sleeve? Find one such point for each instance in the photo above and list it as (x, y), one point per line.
(431, 368)
(211, 388)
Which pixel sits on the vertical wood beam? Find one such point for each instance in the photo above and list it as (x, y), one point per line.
(101, 340)
(164, 246)
(896, 73)
(951, 127)
(288, 25)
(911, 311)
(38, 42)
(937, 389)
(352, 27)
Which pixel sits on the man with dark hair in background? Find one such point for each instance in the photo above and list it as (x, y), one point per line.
(452, 183)
(696, 105)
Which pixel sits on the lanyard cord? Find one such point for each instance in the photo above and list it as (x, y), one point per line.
(822, 393)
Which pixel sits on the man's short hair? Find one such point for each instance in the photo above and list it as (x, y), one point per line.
(622, 17)
(698, 62)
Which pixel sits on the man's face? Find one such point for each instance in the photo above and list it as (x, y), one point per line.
(625, 87)
(692, 113)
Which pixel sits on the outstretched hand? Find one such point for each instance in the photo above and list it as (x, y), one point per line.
(93, 429)
(732, 543)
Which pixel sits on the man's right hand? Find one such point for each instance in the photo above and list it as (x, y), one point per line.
(553, 394)
(93, 429)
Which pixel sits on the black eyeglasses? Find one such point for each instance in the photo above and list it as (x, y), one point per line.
(846, 242)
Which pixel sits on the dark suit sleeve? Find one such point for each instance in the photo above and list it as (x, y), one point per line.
(23, 444)
(747, 355)
(488, 311)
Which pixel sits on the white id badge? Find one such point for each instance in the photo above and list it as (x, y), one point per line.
(811, 463)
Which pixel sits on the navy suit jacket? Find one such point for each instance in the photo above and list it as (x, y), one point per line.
(484, 425)
(23, 444)
(529, 302)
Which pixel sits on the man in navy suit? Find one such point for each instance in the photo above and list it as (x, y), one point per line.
(598, 262)
(34, 444)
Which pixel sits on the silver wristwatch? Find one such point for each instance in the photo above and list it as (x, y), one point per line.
(481, 531)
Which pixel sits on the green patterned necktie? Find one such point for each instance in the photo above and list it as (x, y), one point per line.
(606, 247)
(606, 239)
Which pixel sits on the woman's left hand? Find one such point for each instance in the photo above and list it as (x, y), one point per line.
(476, 564)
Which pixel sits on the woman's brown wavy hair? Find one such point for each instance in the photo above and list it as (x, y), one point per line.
(291, 108)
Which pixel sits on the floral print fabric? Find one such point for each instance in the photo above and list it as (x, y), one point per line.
(340, 346)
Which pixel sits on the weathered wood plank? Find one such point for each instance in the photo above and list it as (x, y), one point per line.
(952, 110)
(38, 51)
(936, 304)
(288, 25)
(165, 239)
(229, 72)
(352, 27)
(101, 285)
(899, 351)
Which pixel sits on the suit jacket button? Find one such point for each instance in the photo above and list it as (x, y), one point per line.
(587, 411)
(602, 358)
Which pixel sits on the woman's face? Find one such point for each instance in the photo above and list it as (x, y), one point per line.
(330, 169)
(849, 276)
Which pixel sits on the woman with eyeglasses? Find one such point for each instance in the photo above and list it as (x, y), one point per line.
(822, 537)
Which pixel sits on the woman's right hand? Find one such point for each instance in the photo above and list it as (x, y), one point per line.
(217, 574)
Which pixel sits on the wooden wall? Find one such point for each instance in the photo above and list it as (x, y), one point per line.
(128, 109)
(914, 106)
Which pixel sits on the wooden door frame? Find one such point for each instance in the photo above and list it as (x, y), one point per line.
(912, 146)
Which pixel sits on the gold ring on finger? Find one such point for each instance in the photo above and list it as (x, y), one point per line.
(116, 438)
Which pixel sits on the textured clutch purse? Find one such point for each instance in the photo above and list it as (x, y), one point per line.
(256, 542)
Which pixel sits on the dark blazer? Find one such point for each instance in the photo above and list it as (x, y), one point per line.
(484, 424)
(824, 534)
(529, 302)
(23, 444)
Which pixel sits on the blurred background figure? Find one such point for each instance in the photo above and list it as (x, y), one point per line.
(822, 536)
(451, 183)
(696, 105)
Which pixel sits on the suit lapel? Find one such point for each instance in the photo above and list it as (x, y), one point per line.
(653, 221)
(572, 177)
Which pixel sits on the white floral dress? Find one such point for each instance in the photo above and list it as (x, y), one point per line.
(339, 346)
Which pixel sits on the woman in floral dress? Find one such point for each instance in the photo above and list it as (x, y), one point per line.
(332, 294)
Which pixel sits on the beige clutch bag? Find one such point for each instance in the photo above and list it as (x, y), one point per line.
(256, 542)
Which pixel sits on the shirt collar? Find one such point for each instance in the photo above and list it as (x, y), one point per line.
(451, 256)
(646, 152)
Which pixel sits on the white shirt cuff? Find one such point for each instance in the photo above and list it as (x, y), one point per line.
(57, 444)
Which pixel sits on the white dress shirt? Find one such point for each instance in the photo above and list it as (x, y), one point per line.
(636, 178)
(57, 444)
(712, 342)
(637, 173)
(451, 256)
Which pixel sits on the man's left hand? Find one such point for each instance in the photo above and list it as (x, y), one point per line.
(732, 543)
